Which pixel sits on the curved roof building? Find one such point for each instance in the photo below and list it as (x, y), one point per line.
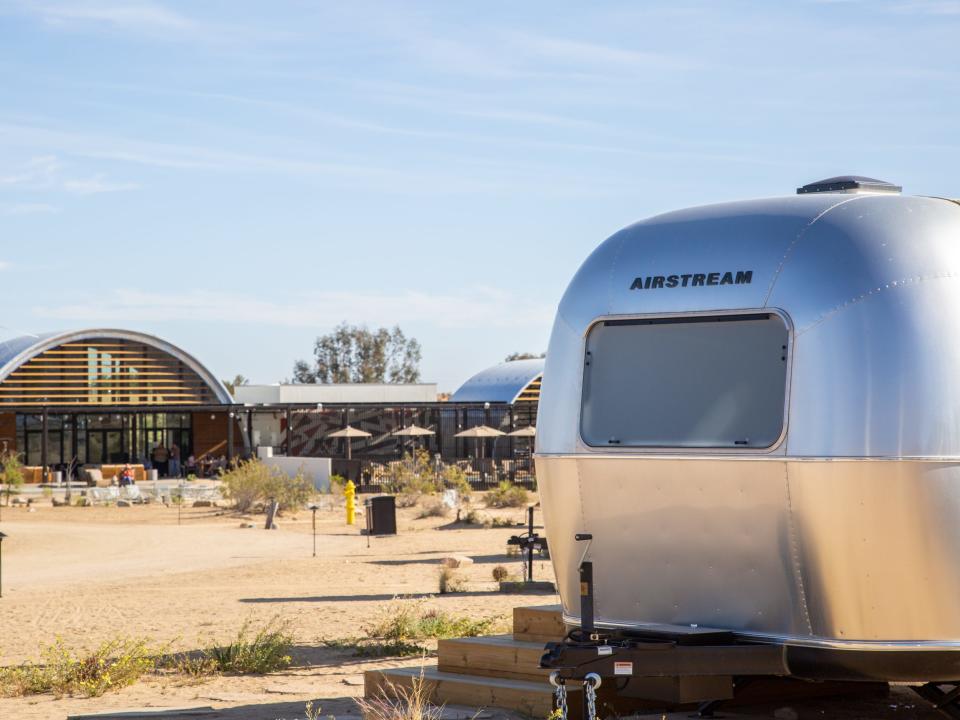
(104, 396)
(508, 382)
(103, 367)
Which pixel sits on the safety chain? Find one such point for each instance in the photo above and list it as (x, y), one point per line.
(590, 684)
(560, 696)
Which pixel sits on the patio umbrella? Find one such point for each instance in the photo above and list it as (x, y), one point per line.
(528, 431)
(413, 431)
(479, 432)
(349, 432)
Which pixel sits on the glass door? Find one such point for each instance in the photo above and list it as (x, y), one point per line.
(95, 446)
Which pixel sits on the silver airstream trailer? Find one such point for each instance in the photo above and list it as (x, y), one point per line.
(752, 411)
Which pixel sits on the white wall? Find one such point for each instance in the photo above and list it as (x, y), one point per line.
(316, 470)
(343, 393)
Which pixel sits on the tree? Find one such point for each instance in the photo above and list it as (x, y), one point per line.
(523, 356)
(355, 354)
(237, 381)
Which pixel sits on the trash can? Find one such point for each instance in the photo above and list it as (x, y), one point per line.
(381, 515)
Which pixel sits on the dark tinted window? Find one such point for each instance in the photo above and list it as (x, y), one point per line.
(691, 382)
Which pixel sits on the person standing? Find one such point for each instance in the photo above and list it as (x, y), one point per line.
(174, 460)
(161, 459)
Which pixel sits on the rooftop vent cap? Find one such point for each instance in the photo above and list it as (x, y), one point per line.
(849, 184)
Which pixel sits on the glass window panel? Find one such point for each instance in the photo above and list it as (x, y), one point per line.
(690, 382)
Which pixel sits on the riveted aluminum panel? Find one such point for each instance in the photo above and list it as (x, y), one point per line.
(843, 536)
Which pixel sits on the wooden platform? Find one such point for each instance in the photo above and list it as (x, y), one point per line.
(497, 671)
(503, 672)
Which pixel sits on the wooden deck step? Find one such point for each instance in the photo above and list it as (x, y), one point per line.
(534, 699)
(498, 656)
(543, 623)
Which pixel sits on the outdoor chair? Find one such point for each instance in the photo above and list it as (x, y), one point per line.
(131, 493)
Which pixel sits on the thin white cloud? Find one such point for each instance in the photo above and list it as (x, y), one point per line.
(129, 16)
(46, 173)
(594, 55)
(927, 7)
(28, 209)
(96, 185)
(38, 173)
(486, 306)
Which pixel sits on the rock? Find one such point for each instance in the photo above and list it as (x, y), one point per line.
(123, 503)
(247, 525)
(18, 501)
(456, 561)
(32, 509)
(58, 503)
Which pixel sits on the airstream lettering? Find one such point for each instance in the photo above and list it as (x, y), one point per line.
(653, 282)
(799, 484)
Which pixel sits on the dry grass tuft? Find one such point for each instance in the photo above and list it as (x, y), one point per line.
(395, 702)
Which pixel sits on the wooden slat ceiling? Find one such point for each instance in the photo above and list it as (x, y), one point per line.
(104, 372)
(531, 393)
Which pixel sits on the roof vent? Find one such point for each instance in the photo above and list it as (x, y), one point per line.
(849, 184)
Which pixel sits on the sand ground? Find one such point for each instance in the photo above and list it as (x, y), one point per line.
(92, 574)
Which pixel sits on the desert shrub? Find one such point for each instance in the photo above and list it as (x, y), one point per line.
(257, 653)
(473, 517)
(253, 483)
(337, 484)
(456, 479)
(436, 508)
(440, 625)
(507, 495)
(113, 665)
(413, 620)
(451, 581)
(501, 522)
(500, 573)
(404, 624)
(11, 473)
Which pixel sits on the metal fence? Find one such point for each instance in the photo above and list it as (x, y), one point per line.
(305, 432)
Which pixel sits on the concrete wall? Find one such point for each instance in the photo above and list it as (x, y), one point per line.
(344, 393)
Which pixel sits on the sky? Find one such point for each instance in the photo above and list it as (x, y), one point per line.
(240, 177)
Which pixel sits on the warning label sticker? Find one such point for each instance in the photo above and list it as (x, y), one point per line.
(623, 668)
(604, 650)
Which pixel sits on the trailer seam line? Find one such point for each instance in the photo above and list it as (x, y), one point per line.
(795, 555)
(789, 250)
(892, 285)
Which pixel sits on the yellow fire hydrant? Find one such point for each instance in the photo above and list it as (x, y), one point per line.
(349, 491)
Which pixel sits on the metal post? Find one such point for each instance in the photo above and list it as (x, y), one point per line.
(314, 509)
(229, 437)
(133, 438)
(251, 448)
(289, 452)
(530, 547)
(43, 445)
(2, 536)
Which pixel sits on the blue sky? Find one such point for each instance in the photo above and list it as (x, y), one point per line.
(240, 177)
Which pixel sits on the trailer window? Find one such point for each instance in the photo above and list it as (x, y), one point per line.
(717, 382)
